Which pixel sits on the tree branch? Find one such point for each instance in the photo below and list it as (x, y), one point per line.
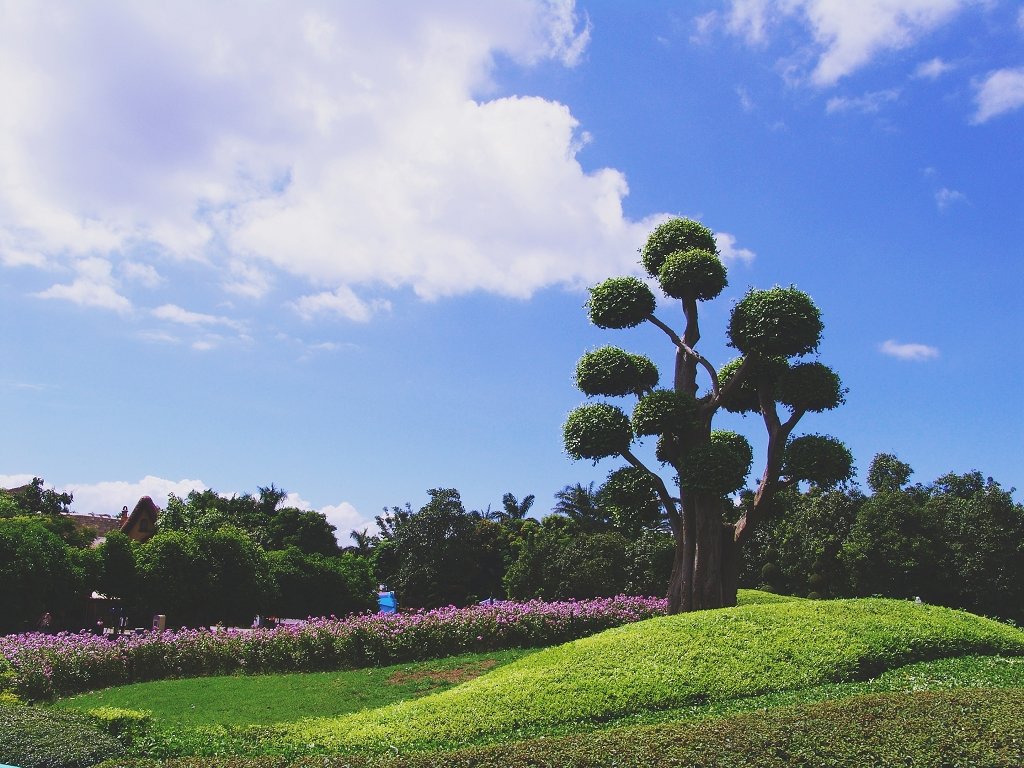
(667, 500)
(688, 352)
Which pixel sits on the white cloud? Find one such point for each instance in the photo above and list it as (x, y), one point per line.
(913, 352)
(322, 142)
(95, 286)
(341, 303)
(749, 19)
(845, 36)
(746, 103)
(1002, 91)
(703, 26)
(108, 497)
(932, 69)
(945, 197)
(15, 481)
(729, 252)
(868, 104)
(144, 274)
(175, 314)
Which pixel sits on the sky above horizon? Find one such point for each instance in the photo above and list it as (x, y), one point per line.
(343, 247)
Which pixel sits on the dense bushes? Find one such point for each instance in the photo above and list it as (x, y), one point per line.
(45, 666)
(32, 737)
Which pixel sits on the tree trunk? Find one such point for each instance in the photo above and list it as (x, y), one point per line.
(705, 570)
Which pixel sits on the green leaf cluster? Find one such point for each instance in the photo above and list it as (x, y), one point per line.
(596, 431)
(613, 372)
(663, 410)
(719, 466)
(620, 302)
(33, 737)
(818, 459)
(810, 387)
(675, 236)
(778, 322)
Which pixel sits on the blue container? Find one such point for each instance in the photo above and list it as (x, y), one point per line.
(386, 603)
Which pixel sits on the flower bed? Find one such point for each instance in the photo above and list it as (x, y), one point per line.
(46, 666)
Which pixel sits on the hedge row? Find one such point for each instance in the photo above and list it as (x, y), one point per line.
(33, 737)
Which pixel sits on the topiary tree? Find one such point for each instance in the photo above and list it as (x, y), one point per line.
(769, 328)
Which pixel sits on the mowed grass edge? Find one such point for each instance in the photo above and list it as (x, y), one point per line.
(668, 663)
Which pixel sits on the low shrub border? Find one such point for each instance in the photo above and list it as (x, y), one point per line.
(42, 667)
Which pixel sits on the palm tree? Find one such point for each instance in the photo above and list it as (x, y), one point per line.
(580, 505)
(513, 509)
(364, 541)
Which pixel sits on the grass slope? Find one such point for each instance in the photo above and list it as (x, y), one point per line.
(945, 729)
(668, 663)
(264, 699)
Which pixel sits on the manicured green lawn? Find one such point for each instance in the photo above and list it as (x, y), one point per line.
(264, 699)
(670, 663)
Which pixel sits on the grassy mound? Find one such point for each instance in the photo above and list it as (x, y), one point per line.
(970, 727)
(667, 663)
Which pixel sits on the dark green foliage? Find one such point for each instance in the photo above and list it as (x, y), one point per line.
(720, 466)
(818, 459)
(557, 560)
(320, 585)
(117, 576)
(742, 399)
(620, 302)
(649, 563)
(673, 236)
(36, 574)
(810, 387)
(614, 372)
(629, 498)
(47, 506)
(596, 431)
(261, 517)
(888, 473)
(580, 504)
(663, 410)
(435, 554)
(33, 737)
(694, 274)
(778, 322)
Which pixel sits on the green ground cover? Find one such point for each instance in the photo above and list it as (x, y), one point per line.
(669, 663)
(263, 699)
(861, 682)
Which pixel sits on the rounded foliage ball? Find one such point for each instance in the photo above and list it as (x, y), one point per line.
(741, 399)
(818, 459)
(771, 573)
(620, 302)
(694, 274)
(663, 410)
(667, 450)
(672, 236)
(596, 431)
(778, 322)
(613, 372)
(810, 387)
(719, 466)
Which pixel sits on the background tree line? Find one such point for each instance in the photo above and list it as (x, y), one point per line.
(958, 541)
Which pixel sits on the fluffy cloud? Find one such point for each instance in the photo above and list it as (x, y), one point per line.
(343, 516)
(845, 36)
(1001, 91)
(318, 141)
(913, 352)
(108, 497)
(945, 197)
(868, 104)
(932, 69)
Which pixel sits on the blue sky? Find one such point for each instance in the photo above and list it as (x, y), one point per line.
(343, 247)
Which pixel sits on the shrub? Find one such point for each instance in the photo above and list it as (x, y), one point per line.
(32, 737)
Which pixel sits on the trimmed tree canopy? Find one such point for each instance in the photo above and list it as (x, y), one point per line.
(596, 431)
(778, 322)
(620, 302)
(819, 459)
(693, 274)
(672, 236)
(810, 387)
(719, 466)
(663, 410)
(614, 372)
